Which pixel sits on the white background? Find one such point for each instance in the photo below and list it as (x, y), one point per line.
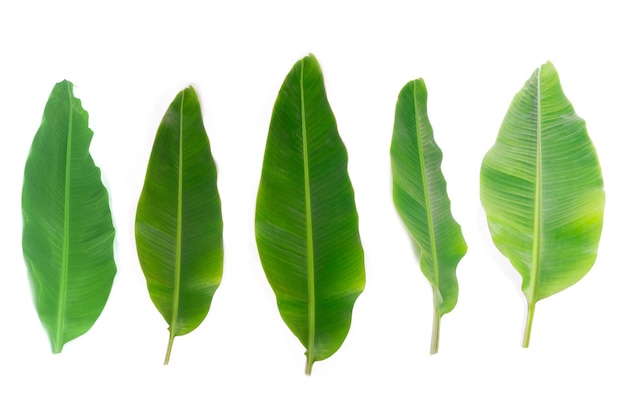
(128, 60)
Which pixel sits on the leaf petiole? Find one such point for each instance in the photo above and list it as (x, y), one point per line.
(529, 324)
(434, 338)
(170, 343)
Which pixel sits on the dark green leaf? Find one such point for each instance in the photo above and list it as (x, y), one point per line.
(178, 228)
(306, 220)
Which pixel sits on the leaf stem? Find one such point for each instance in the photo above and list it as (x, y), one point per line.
(179, 235)
(434, 338)
(529, 324)
(58, 339)
(309, 365)
(309, 233)
(169, 348)
(538, 223)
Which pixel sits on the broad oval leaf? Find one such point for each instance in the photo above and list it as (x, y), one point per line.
(68, 230)
(178, 227)
(542, 190)
(306, 220)
(420, 196)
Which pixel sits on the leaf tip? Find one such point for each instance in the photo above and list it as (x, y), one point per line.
(310, 59)
(190, 89)
(420, 87)
(548, 68)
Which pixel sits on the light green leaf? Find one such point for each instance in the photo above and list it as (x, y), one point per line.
(306, 220)
(542, 190)
(420, 196)
(68, 231)
(178, 228)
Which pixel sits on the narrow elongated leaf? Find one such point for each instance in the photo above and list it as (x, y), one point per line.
(178, 228)
(420, 196)
(68, 231)
(306, 220)
(542, 190)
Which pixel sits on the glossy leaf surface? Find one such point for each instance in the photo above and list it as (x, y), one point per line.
(542, 190)
(68, 230)
(178, 227)
(306, 220)
(420, 196)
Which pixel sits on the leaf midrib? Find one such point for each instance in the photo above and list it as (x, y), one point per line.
(62, 301)
(309, 230)
(179, 232)
(179, 223)
(537, 229)
(429, 214)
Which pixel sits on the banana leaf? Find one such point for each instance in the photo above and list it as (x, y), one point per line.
(420, 196)
(68, 230)
(542, 190)
(306, 219)
(178, 226)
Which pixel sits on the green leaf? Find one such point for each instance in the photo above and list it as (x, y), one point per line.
(178, 228)
(68, 231)
(542, 190)
(306, 220)
(420, 196)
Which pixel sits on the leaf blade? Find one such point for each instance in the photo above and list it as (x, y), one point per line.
(420, 196)
(542, 190)
(68, 230)
(178, 225)
(306, 221)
